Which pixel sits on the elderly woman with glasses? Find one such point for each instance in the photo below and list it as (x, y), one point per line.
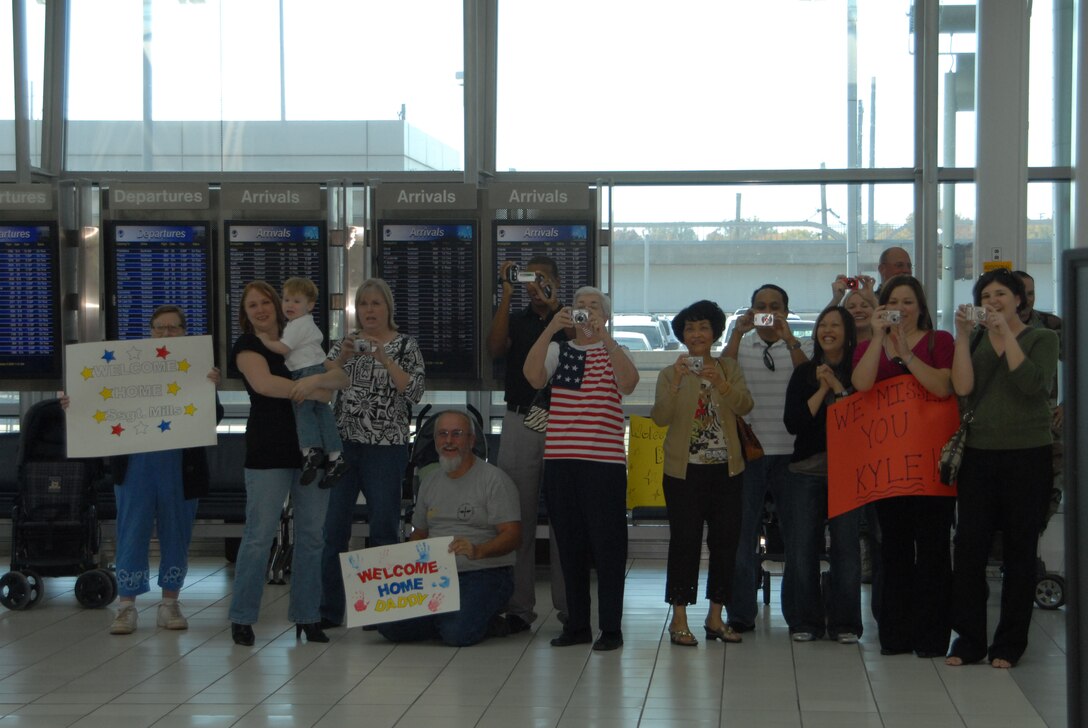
(699, 399)
(585, 463)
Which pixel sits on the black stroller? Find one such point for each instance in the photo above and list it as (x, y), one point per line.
(54, 524)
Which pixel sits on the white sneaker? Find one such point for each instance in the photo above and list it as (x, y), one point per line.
(125, 621)
(802, 637)
(848, 638)
(170, 616)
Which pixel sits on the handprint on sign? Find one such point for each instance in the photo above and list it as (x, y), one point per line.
(424, 551)
(436, 602)
(361, 605)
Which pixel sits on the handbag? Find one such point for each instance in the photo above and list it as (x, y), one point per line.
(948, 464)
(749, 443)
(952, 452)
(536, 419)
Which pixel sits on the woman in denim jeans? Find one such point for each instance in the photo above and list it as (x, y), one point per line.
(272, 471)
(385, 370)
(813, 386)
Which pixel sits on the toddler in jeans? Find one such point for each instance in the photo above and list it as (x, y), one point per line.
(300, 343)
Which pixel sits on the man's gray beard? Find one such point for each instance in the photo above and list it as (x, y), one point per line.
(449, 464)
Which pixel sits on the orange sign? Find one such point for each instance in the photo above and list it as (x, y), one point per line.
(887, 442)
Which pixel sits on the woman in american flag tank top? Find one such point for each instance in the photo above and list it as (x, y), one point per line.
(585, 467)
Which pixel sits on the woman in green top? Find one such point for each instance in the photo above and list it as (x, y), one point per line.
(699, 399)
(1004, 371)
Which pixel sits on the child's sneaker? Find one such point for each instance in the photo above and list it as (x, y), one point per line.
(333, 471)
(315, 460)
(125, 621)
(170, 616)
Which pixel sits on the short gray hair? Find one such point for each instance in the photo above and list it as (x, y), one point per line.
(606, 304)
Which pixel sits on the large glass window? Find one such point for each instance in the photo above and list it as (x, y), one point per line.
(7, 92)
(623, 85)
(1048, 37)
(35, 45)
(308, 85)
(958, 49)
(674, 245)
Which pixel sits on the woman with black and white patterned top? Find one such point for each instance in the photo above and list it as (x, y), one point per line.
(385, 368)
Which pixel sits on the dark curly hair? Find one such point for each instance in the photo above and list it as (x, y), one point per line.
(700, 311)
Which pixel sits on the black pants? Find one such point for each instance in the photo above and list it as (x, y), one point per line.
(916, 555)
(1006, 491)
(587, 509)
(707, 495)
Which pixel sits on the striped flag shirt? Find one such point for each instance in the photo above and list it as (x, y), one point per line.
(586, 419)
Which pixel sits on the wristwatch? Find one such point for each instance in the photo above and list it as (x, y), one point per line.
(794, 346)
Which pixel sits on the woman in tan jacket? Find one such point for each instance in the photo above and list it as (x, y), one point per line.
(699, 399)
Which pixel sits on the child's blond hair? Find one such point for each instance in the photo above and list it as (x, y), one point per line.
(301, 286)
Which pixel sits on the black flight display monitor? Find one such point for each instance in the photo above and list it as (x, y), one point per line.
(273, 252)
(153, 263)
(431, 268)
(30, 336)
(570, 245)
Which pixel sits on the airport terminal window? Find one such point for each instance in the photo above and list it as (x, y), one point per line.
(674, 245)
(362, 86)
(1042, 96)
(707, 85)
(35, 32)
(958, 48)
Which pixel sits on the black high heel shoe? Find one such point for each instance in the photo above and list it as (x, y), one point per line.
(313, 632)
(242, 634)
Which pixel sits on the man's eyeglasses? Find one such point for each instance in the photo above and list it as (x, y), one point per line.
(167, 328)
(768, 360)
(454, 434)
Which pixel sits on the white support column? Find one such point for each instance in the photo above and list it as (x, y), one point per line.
(1002, 119)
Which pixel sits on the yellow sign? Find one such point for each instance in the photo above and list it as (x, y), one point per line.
(989, 265)
(645, 463)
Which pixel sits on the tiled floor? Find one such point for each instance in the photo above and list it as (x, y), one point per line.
(59, 667)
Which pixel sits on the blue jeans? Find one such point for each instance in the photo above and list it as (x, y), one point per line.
(483, 594)
(804, 507)
(152, 497)
(378, 471)
(266, 491)
(767, 473)
(314, 421)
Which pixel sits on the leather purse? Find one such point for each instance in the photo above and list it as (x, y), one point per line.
(753, 449)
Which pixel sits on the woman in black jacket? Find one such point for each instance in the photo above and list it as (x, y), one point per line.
(813, 386)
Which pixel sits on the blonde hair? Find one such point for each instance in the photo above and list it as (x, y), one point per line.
(301, 286)
(379, 285)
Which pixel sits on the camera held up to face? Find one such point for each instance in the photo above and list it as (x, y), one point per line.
(694, 364)
(580, 316)
(764, 320)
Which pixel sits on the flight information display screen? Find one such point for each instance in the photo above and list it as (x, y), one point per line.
(569, 244)
(30, 336)
(152, 263)
(431, 268)
(273, 252)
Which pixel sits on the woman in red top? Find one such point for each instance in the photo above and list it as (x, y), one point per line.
(915, 553)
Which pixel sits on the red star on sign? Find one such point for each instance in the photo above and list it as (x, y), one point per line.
(161, 352)
(117, 430)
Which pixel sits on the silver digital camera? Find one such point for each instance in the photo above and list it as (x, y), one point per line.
(580, 315)
(514, 275)
(694, 364)
(977, 314)
(763, 319)
(891, 316)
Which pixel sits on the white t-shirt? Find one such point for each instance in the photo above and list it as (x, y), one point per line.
(304, 339)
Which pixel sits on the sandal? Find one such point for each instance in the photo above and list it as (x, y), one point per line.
(682, 637)
(725, 634)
